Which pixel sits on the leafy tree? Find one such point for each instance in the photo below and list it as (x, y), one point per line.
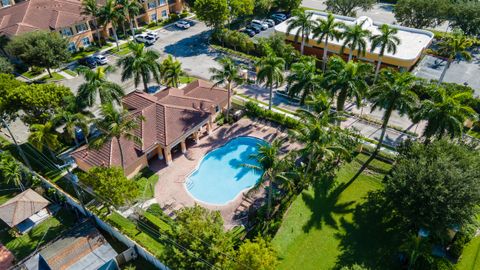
(454, 47)
(304, 79)
(354, 267)
(116, 124)
(140, 65)
(108, 14)
(8, 84)
(257, 254)
(6, 66)
(213, 12)
(228, 75)
(262, 7)
(240, 8)
(287, 5)
(112, 184)
(355, 38)
(349, 7)
(96, 84)
(303, 24)
(420, 13)
(327, 29)
(39, 48)
(270, 71)
(434, 186)
(130, 9)
(171, 71)
(11, 171)
(386, 41)
(44, 136)
(201, 242)
(73, 121)
(445, 113)
(91, 8)
(464, 15)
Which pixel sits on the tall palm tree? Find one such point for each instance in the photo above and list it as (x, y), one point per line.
(386, 41)
(130, 9)
(355, 38)
(91, 8)
(141, 65)
(11, 170)
(454, 47)
(116, 124)
(445, 113)
(348, 80)
(326, 30)
(304, 79)
(171, 71)
(110, 14)
(228, 75)
(303, 24)
(96, 84)
(270, 71)
(73, 121)
(43, 136)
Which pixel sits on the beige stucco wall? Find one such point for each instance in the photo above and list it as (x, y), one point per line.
(135, 168)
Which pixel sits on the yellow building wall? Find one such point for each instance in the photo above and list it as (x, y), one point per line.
(135, 168)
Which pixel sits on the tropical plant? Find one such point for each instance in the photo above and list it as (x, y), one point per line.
(43, 136)
(387, 41)
(445, 113)
(73, 121)
(116, 124)
(355, 38)
(110, 14)
(171, 71)
(91, 8)
(130, 9)
(228, 75)
(303, 24)
(304, 79)
(11, 170)
(141, 65)
(326, 30)
(348, 7)
(96, 84)
(270, 71)
(454, 47)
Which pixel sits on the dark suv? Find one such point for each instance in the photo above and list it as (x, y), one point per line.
(88, 61)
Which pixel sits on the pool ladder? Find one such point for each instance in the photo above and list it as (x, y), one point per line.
(190, 184)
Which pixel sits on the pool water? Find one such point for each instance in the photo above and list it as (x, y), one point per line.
(219, 177)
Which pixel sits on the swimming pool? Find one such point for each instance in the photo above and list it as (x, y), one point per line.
(219, 177)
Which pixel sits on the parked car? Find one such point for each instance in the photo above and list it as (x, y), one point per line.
(264, 26)
(144, 38)
(182, 24)
(279, 16)
(100, 59)
(152, 34)
(277, 20)
(255, 28)
(282, 15)
(270, 22)
(88, 62)
(249, 32)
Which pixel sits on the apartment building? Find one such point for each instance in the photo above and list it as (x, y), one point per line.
(7, 3)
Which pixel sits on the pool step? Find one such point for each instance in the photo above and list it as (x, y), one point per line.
(190, 185)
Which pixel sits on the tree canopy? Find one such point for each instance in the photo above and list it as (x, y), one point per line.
(257, 254)
(287, 5)
(421, 13)
(213, 12)
(5, 66)
(348, 7)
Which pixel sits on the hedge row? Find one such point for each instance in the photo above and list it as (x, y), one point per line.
(254, 110)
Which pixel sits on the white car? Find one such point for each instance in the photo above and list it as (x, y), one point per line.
(182, 24)
(263, 25)
(152, 34)
(144, 38)
(100, 59)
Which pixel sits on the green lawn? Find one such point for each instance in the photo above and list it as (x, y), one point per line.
(146, 181)
(55, 77)
(124, 50)
(187, 79)
(31, 74)
(47, 230)
(70, 72)
(470, 259)
(318, 231)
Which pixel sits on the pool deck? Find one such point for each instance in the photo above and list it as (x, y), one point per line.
(170, 191)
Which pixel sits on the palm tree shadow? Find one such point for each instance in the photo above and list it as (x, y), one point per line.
(324, 204)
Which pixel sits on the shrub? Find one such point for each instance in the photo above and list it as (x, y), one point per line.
(184, 14)
(459, 242)
(254, 110)
(173, 17)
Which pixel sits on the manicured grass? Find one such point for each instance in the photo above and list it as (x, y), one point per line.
(318, 229)
(30, 74)
(81, 54)
(124, 50)
(470, 259)
(70, 72)
(146, 181)
(22, 246)
(55, 77)
(187, 79)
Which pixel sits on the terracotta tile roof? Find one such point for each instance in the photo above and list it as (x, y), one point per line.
(168, 115)
(40, 15)
(21, 207)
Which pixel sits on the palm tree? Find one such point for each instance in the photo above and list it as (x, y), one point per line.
(348, 79)
(130, 9)
(270, 71)
(303, 24)
(44, 136)
(141, 65)
(326, 30)
(11, 170)
(90, 8)
(109, 14)
(304, 79)
(445, 113)
(355, 38)
(73, 121)
(96, 83)
(116, 124)
(228, 75)
(171, 71)
(386, 41)
(454, 47)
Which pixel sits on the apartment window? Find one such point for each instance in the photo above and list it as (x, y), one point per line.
(164, 13)
(153, 17)
(66, 31)
(71, 47)
(86, 42)
(81, 28)
(151, 5)
(5, 3)
(162, 2)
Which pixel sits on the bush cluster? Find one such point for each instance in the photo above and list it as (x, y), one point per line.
(253, 110)
(234, 39)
